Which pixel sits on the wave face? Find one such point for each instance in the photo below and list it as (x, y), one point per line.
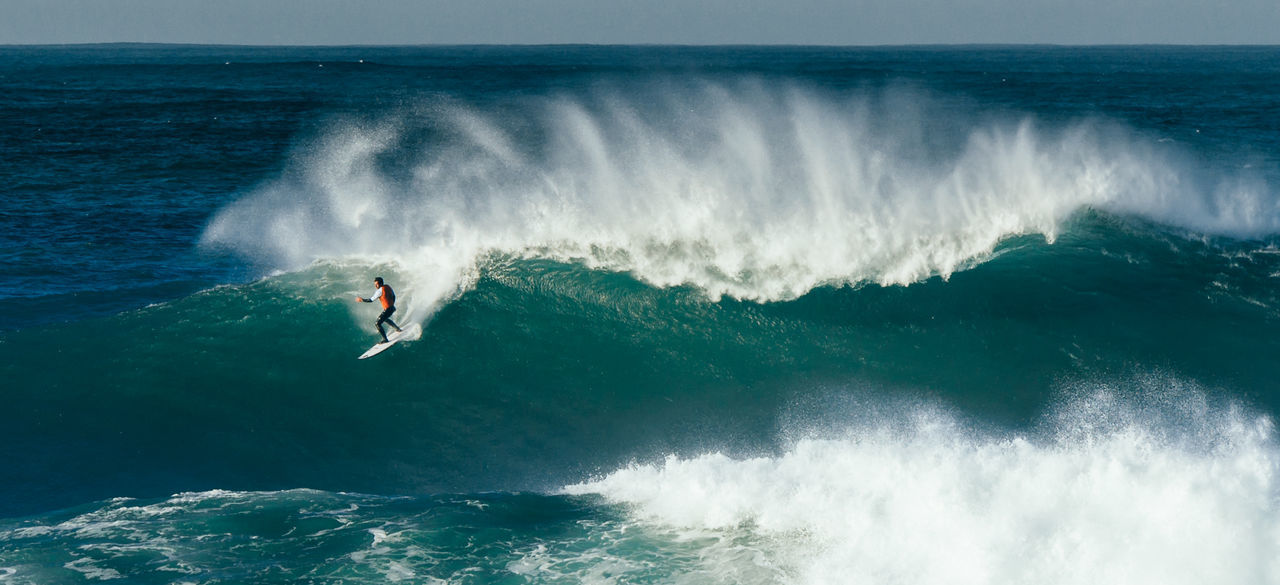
(722, 315)
(546, 371)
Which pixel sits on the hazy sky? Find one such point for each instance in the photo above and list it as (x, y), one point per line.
(842, 22)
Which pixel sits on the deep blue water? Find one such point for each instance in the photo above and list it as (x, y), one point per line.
(721, 315)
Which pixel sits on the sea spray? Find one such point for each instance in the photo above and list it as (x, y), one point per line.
(738, 189)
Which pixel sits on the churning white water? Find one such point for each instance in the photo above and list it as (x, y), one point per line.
(1162, 491)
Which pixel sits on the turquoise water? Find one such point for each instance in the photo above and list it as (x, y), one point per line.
(721, 315)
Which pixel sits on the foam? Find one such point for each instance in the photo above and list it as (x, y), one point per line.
(1106, 494)
(739, 189)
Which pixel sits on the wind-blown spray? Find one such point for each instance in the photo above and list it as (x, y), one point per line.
(743, 190)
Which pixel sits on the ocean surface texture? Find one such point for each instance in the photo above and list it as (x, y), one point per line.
(976, 315)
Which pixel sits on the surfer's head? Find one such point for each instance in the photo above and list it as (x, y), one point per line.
(378, 281)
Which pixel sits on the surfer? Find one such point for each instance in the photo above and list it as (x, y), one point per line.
(388, 299)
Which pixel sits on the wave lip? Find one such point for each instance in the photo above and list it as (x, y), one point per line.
(939, 504)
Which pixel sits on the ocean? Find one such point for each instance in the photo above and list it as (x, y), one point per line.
(793, 315)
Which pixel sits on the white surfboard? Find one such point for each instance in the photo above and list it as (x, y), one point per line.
(410, 332)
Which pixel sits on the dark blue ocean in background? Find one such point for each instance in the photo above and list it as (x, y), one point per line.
(691, 314)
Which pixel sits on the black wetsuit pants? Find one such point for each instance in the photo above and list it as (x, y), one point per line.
(385, 317)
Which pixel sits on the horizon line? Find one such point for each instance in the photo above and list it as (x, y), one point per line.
(646, 45)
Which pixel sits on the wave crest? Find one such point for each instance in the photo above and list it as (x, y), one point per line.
(746, 190)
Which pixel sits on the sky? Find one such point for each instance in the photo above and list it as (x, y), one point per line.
(805, 22)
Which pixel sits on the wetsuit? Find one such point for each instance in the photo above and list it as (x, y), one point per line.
(388, 299)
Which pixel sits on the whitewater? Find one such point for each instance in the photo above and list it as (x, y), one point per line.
(919, 498)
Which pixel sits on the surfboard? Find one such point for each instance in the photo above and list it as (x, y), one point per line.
(410, 332)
